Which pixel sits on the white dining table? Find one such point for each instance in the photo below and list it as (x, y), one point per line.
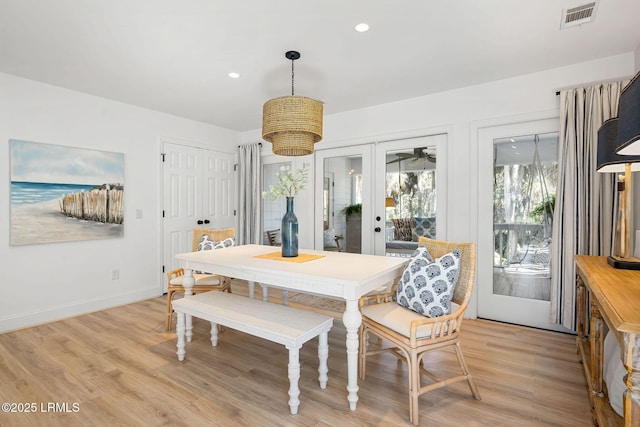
(337, 275)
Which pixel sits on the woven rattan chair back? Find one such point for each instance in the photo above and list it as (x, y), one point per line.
(218, 283)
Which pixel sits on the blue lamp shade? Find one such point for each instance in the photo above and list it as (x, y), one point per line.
(629, 115)
(608, 160)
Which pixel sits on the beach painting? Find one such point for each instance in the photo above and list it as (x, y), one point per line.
(62, 194)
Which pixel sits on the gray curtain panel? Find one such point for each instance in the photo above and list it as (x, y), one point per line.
(584, 215)
(249, 195)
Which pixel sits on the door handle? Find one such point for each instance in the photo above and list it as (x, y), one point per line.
(200, 222)
(206, 221)
(377, 229)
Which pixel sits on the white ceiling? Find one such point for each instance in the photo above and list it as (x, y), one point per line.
(174, 56)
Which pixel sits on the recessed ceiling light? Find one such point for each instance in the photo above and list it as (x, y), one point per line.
(362, 27)
(234, 75)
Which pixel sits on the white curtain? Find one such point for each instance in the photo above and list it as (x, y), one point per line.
(583, 220)
(249, 195)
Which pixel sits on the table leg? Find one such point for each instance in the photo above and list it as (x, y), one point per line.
(187, 283)
(265, 292)
(596, 330)
(352, 320)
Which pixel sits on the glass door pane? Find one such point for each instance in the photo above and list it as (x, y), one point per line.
(407, 193)
(410, 198)
(524, 187)
(343, 209)
(343, 178)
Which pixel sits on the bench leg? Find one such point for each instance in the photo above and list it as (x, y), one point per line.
(285, 297)
(214, 334)
(323, 355)
(180, 328)
(251, 288)
(265, 292)
(294, 376)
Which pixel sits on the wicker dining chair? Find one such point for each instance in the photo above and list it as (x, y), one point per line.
(204, 282)
(412, 335)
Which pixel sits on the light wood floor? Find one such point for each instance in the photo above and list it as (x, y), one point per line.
(119, 366)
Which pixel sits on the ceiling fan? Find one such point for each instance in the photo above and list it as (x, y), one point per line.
(419, 153)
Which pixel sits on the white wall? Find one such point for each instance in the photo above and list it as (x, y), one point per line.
(51, 281)
(465, 111)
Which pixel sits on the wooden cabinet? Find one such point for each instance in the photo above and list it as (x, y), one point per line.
(612, 296)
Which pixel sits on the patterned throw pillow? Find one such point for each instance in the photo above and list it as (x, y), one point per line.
(423, 227)
(206, 244)
(427, 285)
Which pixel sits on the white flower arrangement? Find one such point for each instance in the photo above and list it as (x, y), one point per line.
(289, 183)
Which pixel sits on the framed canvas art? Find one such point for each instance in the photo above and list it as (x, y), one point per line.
(61, 194)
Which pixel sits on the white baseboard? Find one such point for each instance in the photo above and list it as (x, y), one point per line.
(25, 320)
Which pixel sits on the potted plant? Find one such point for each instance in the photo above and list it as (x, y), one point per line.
(352, 209)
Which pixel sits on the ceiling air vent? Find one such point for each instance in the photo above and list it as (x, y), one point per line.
(578, 15)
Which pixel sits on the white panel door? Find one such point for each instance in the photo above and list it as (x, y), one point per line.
(218, 198)
(198, 191)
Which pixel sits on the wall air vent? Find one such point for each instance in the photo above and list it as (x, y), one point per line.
(578, 15)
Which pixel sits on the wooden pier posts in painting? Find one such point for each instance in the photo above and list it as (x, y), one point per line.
(102, 204)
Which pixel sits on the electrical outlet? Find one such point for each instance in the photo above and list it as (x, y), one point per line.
(115, 274)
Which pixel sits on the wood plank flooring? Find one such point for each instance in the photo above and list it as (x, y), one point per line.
(119, 367)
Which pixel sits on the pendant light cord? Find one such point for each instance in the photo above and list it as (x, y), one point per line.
(292, 76)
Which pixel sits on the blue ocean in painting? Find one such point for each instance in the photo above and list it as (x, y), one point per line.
(23, 193)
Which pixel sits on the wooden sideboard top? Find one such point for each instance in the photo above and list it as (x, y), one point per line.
(617, 291)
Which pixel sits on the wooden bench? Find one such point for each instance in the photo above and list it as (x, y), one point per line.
(285, 325)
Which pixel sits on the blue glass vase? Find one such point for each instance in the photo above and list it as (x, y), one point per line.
(289, 231)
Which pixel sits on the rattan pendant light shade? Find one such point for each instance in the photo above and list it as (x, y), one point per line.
(292, 123)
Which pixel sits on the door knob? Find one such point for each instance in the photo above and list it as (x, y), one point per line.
(377, 229)
(378, 218)
(206, 221)
(200, 222)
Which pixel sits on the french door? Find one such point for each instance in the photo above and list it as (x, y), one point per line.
(198, 191)
(517, 169)
(364, 191)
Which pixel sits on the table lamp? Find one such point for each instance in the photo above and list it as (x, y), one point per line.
(629, 115)
(609, 161)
